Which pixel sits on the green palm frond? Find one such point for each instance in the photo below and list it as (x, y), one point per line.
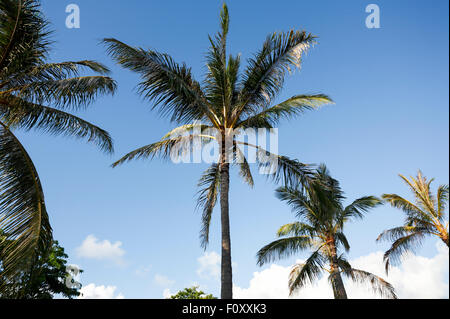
(20, 114)
(280, 168)
(325, 191)
(264, 76)
(424, 217)
(221, 76)
(164, 82)
(51, 72)
(74, 93)
(170, 147)
(23, 38)
(296, 229)
(282, 248)
(411, 210)
(207, 197)
(308, 272)
(23, 215)
(244, 167)
(286, 170)
(377, 284)
(292, 107)
(304, 208)
(62, 70)
(420, 187)
(442, 201)
(395, 233)
(341, 239)
(361, 206)
(400, 247)
(197, 128)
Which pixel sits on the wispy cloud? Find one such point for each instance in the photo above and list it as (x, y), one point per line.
(163, 281)
(143, 271)
(209, 265)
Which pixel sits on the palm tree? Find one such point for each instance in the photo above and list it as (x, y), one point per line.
(425, 217)
(28, 84)
(320, 228)
(225, 102)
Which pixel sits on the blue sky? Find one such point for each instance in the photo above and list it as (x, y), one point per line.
(391, 116)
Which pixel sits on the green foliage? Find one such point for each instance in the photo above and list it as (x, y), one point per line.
(192, 293)
(35, 94)
(320, 229)
(425, 216)
(45, 280)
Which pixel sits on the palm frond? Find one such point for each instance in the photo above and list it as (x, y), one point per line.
(282, 248)
(264, 76)
(207, 197)
(442, 201)
(420, 187)
(292, 107)
(395, 233)
(221, 76)
(341, 239)
(280, 168)
(308, 272)
(400, 247)
(361, 206)
(23, 215)
(410, 209)
(17, 113)
(50, 72)
(377, 284)
(165, 82)
(24, 38)
(299, 203)
(296, 229)
(244, 167)
(170, 147)
(196, 128)
(74, 93)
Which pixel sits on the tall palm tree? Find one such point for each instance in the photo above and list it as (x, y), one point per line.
(28, 84)
(424, 217)
(320, 228)
(225, 102)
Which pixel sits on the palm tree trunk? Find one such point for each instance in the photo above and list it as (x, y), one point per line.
(226, 270)
(336, 278)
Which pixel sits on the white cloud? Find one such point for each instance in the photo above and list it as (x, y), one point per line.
(93, 248)
(417, 277)
(167, 294)
(92, 291)
(209, 265)
(163, 281)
